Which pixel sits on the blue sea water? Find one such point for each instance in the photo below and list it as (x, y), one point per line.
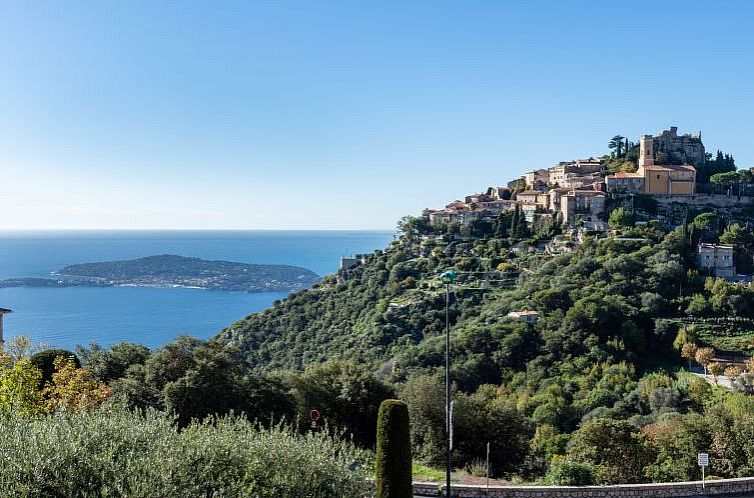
(65, 317)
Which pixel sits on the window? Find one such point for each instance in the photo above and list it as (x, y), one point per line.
(658, 177)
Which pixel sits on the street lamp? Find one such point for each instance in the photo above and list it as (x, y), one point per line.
(448, 278)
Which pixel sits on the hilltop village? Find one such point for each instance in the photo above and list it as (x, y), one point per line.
(663, 178)
(577, 294)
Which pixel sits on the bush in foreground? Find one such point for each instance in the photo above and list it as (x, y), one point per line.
(567, 473)
(121, 454)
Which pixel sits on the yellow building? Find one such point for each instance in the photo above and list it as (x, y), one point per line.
(663, 179)
(669, 180)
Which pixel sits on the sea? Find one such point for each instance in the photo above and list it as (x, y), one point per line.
(70, 316)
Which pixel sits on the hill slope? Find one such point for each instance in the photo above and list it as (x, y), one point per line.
(600, 302)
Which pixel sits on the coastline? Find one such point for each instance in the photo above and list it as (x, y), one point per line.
(68, 315)
(62, 284)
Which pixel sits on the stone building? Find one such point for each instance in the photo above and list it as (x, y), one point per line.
(716, 259)
(528, 196)
(3, 311)
(671, 148)
(579, 181)
(498, 193)
(556, 194)
(662, 170)
(445, 216)
(587, 204)
(497, 205)
(660, 177)
(632, 183)
(537, 177)
(348, 262)
(474, 198)
(580, 167)
(670, 180)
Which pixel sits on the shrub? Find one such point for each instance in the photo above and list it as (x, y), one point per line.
(118, 453)
(567, 473)
(617, 452)
(477, 468)
(45, 362)
(393, 477)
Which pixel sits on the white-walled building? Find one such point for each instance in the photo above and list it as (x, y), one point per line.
(716, 259)
(525, 316)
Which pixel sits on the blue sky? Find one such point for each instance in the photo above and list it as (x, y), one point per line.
(345, 114)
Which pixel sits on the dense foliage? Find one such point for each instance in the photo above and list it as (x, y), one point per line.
(593, 391)
(23, 389)
(591, 385)
(195, 379)
(120, 454)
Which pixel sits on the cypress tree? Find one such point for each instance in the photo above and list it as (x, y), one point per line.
(500, 226)
(393, 465)
(515, 222)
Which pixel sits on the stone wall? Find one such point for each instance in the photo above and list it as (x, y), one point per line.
(723, 487)
(712, 200)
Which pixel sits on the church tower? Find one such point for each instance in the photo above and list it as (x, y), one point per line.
(646, 152)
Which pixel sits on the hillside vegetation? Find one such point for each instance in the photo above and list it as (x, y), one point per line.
(603, 357)
(595, 391)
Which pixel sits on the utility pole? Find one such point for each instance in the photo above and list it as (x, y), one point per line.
(448, 278)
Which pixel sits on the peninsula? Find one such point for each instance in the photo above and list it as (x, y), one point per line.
(169, 270)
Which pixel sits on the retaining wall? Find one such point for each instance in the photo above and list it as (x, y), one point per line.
(722, 487)
(717, 200)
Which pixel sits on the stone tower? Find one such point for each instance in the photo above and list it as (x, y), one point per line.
(672, 148)
(3, 311)
(646, 151)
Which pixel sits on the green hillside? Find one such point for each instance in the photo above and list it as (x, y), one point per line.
(598, 303)
(595, 391)
(601, 366)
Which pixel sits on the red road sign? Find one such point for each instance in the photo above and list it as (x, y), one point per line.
(314, 415)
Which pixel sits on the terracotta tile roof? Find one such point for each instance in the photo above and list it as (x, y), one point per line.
(670, 167)
(624, 174)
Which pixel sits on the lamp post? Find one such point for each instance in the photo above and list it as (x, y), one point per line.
(448, 278)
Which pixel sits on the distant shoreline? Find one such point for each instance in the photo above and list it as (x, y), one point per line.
(172, 271)
(190, 230)
(59, 284)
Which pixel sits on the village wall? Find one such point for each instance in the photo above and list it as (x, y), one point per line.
(713, 200)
